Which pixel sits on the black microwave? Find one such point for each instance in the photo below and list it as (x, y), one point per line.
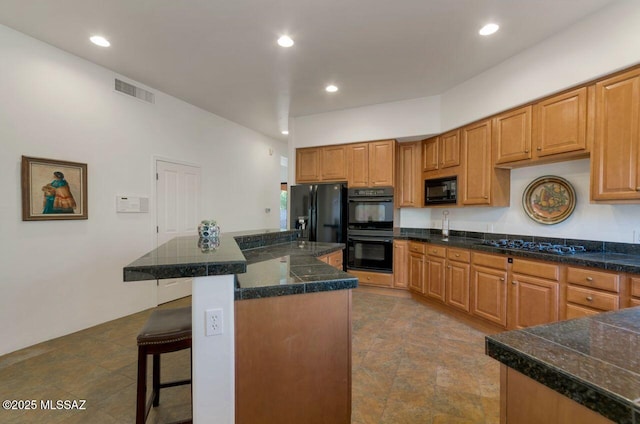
(439, 191)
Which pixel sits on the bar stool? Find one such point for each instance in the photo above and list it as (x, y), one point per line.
(166, 330)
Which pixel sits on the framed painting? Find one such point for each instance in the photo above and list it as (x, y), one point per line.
(53, 189)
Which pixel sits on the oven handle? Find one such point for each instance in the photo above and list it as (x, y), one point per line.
(369, 239)
(370, 199)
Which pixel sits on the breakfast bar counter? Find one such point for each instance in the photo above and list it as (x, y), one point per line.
(284, 354)
(588, 366)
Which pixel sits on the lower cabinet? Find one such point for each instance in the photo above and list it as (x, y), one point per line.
(400, 264)
(334, 259)
(435, 272)
(590, 292)
(534, 293)
(416, 266)
(457, 279)
(489, 288)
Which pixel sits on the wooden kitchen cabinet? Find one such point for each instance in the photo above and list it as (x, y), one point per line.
(441, 152)
(371, 164)
(534, 293)
(511, 134)
(457, 278)
(591, 291)
(333, 163)
(401, 264)
(615, 162)
(634, 283)
(308, 165)
(416, 266)
(335, 259)
(561, 124)
(435, 272)
(482, 184)
(409, 180)
(489, 288)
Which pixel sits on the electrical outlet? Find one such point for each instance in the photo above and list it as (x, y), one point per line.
(213, 322)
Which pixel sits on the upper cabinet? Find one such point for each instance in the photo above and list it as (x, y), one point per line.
(561, 123)
(512, 135)
(308, 165)
(480, 183)
(360, 164)
(615, 165)
(441, 152)
(317, 164)
(554, 129)
(371, 164)
(409, 182)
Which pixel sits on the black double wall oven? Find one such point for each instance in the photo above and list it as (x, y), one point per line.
(370, 229)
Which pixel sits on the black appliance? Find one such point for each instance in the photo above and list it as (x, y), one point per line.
(370, 233)
(440, 191)
(320, 212)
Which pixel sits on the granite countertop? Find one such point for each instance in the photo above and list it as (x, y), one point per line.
(266, 263)
(618, 257)
(592, 360)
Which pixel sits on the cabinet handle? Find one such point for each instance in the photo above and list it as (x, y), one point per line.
(457, 255)
(514, 282)
(539, 148)
(589, 278)
(589, 298)
(435, 251)
(486, 197)
(449, 267)
(526, 150)
(501, 279)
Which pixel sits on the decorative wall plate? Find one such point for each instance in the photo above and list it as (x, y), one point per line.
(549, 199)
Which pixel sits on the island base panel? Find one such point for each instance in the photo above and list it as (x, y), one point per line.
(293, 359)
(525, 401)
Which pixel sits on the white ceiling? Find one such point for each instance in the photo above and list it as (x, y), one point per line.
(222, 56)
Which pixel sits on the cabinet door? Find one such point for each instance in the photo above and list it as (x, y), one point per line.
(489, 299)
(615, 160)
(416, 272)
(358, 165)
(561, 123)
(409, 174)
(532, 301)
(476, 149)
(381, 163)
(457, 285)
(333, 163)
(434, 279)
(308, 165)
(430, 155)
(450, 149)
(400, 264)
(512, 135)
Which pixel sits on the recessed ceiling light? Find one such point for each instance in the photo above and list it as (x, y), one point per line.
(331, 88)
(285, 41)
(100, 41)
(285, 132)
(489, 29)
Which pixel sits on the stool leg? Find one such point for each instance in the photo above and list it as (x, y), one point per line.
(156, 380)
(141, 396)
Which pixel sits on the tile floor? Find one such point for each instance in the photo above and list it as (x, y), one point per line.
(411, 364)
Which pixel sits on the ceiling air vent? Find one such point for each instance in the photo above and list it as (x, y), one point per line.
(134, 91)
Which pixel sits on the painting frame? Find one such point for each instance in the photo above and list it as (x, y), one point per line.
(53, 189)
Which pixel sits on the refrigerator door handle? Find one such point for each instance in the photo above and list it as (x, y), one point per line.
(313, 214)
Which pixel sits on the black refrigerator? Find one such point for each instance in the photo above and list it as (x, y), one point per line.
(320, 211)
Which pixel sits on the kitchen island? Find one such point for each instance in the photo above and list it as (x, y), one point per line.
(583, 370)
(284, 354)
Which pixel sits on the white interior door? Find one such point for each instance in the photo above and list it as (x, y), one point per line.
(178, 209)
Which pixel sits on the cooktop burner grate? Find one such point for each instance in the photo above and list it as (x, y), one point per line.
(534, 246)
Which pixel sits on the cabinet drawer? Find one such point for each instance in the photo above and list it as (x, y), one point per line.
(593, 299)
(373, 278)
(594, 279)
(634, 302)
(490, 261)
(459, 255)
(536, 269)
(417, 247)
(437, 251)
(574, 311)
(635, 287)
